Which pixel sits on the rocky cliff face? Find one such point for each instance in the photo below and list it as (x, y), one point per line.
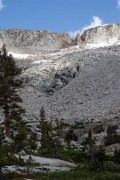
(102, 34)
(35, 42)
(31, 41)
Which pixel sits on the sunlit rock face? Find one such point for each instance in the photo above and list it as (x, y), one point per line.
(102, 34)
(32, 41)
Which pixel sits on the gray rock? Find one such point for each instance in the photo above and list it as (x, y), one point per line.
(102, 34)
(78, 39)
(32, 41)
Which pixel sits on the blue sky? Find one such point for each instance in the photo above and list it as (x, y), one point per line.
(57, 15)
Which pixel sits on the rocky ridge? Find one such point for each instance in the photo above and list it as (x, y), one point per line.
(33, 41)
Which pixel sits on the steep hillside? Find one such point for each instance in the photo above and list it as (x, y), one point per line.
(73, 83)
(94, 94)
(90, 93)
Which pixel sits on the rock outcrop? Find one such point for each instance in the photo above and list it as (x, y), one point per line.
(32, 41)
(78, 39)
(102, 34)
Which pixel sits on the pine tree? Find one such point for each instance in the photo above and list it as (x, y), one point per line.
(46, 135)
(88, 143)
(32, 142)
(59, 127)
(56, 136)
(117, 156)
(98, 158)
(44, 127)
(95, 153)
(9, 86)
(20, 139)
(50, 137)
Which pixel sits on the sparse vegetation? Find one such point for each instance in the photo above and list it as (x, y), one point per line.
(98, 129)
(112, 129)
(117, 156)
(80, 173)
(112, 136)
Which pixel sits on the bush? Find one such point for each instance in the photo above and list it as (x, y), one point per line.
(71, 135)
(112, 139)
(98, 129)
(117, 156)
(76, 156)
(111, 166)
(112, 129)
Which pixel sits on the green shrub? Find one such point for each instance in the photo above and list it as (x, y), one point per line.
(112, 136)
(112, 139)
(111, 166)
(78, 125)
(98, 129)
(76, 156)
(112, 129)
(117, 156)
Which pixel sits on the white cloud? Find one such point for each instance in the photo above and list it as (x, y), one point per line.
(1, 5)
(118, 4)
(96, 21)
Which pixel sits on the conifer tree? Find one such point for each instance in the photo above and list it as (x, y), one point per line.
(9, 86)
(117, 156)
(46, 138)
(94, 152)
(32, 142)
(20, 139)
(56, 143)
(89, 142)
(59, 127)
(50, 137)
